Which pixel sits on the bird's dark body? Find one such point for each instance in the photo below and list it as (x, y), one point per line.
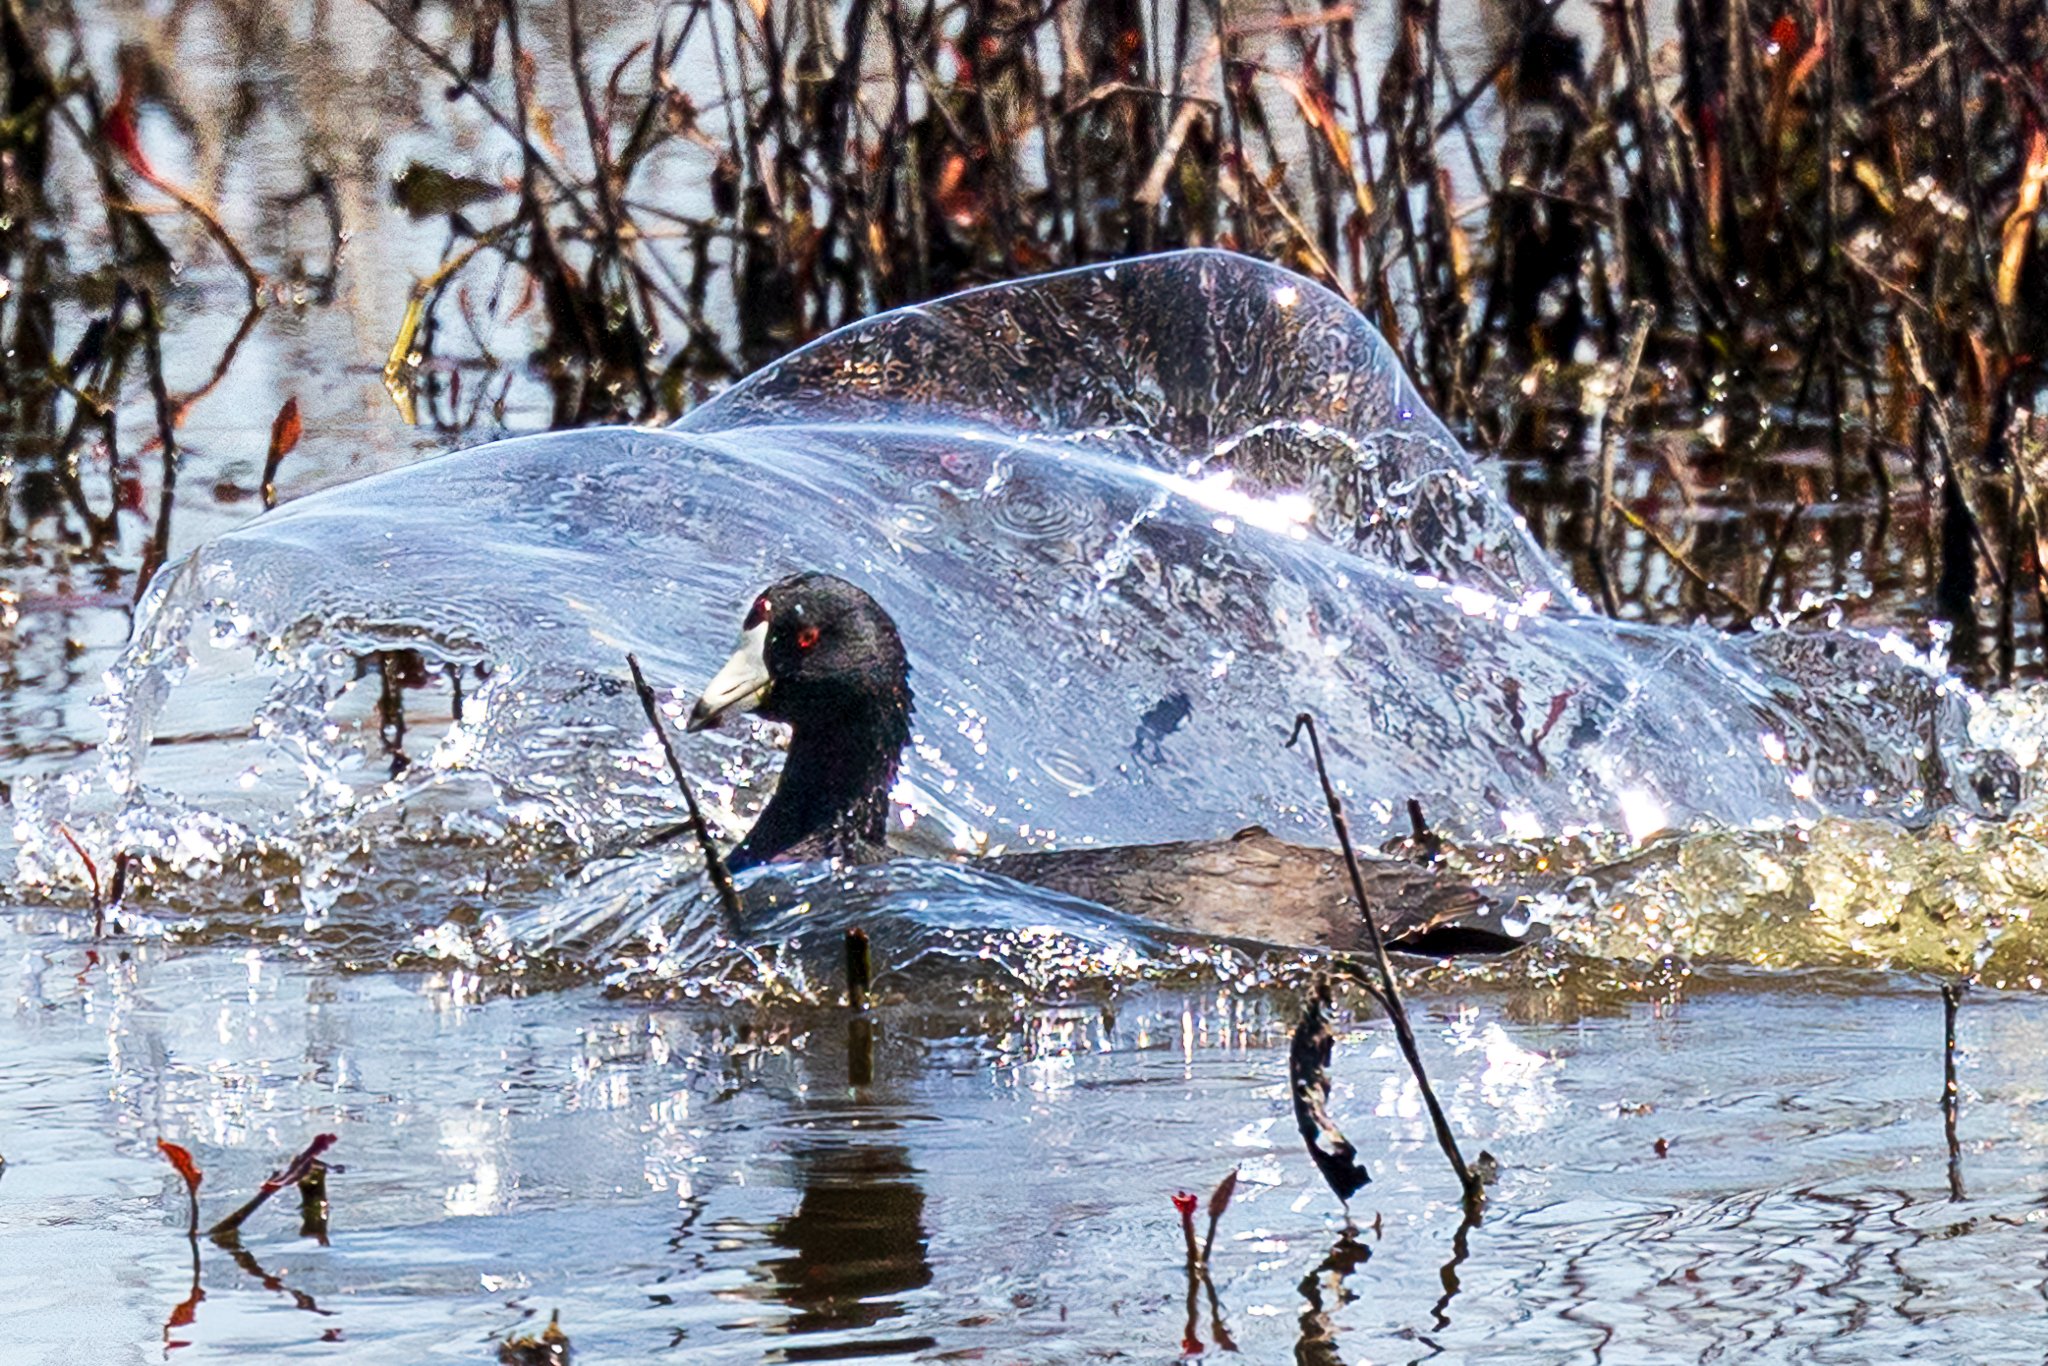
(1257, 886)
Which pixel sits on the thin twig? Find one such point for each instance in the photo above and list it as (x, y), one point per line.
(714, 862)
(1951, 1094)
(1404, 1033)
(96, 147)
(1767, 587)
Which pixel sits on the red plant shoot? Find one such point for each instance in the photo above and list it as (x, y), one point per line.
(92, 870)
(1186, 1202)
(181, 1159)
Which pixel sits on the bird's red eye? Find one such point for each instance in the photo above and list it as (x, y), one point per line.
(806, 637)
(756, 614)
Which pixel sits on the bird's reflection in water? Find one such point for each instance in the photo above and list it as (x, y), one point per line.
(856, 1243)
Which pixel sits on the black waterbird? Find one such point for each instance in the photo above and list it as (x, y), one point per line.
(820, 655)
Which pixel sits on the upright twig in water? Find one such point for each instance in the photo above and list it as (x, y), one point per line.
(159, 548)
(92, 874)
(860, 1028)
(1474, 1188)
(392, 668)
(714, 862)
(117, 891)
(859, 969)
(1427, 843)
(1951, 1096)
(313, 1202)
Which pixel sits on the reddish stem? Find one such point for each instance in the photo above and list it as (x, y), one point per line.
(1185, 1202)
(290, 1176)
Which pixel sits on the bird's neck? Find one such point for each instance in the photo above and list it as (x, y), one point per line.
(833, 797)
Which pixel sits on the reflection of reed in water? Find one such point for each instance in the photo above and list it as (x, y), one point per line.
(857, 1243)
(1323, 1293)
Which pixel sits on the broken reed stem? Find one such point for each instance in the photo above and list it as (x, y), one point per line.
(1429, 845)
(1219, 1201)
(859, 968)
(313, 1202)
(291, 1175)
(714, 862)
(1951, 1095)
(117, 890)
(1308, 1085)
(1185, 1203)
(1404, 1033)
(860, 1025)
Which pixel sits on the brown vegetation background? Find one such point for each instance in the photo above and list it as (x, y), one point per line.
(1750, 297)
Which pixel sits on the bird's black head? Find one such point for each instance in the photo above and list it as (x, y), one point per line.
(822, 656)
(813, 648)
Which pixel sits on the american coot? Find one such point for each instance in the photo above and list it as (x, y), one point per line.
(820, 655)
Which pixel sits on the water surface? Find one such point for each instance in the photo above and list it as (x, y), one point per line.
(1744, 1166)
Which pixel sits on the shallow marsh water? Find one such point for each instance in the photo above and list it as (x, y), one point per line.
(1749, 1168)
(694, 1181)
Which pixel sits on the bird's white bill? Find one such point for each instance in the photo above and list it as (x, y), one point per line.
(739, 684)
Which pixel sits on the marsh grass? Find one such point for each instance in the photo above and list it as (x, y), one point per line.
(1787, 256)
